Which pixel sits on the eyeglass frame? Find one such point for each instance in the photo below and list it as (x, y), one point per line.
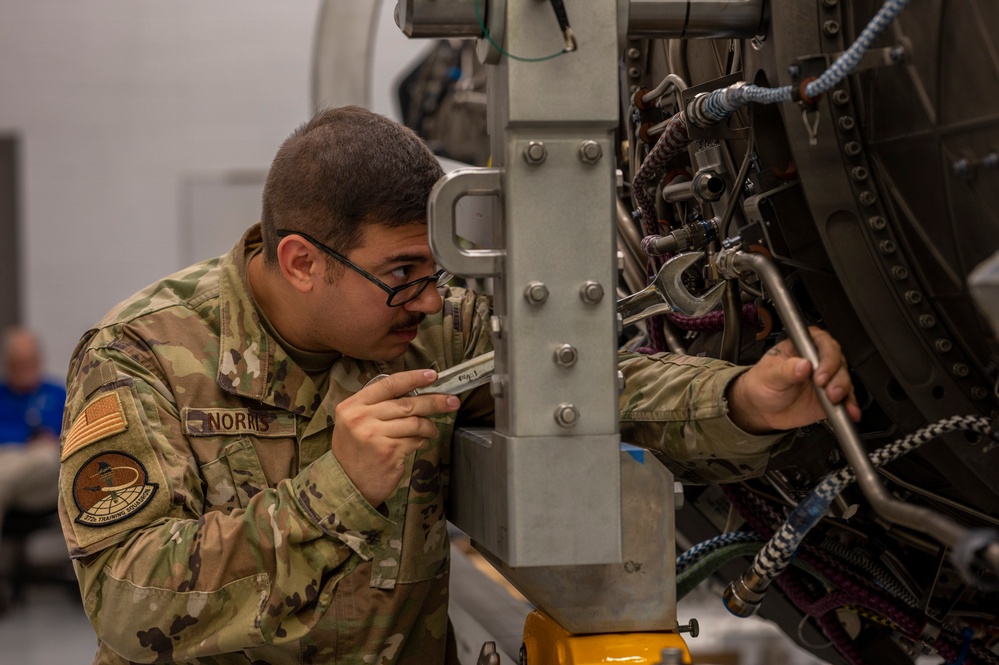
(438, 277)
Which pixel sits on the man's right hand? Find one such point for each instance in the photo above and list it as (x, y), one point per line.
(379, 426)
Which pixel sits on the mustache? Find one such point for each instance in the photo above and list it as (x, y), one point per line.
(412, 322)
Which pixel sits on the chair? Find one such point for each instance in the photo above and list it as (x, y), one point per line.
(17, 570)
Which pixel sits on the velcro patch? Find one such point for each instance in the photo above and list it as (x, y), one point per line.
(265, 423)
(102, 418)
(110, 487)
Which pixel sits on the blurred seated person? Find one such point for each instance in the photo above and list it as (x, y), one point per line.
(30, 421)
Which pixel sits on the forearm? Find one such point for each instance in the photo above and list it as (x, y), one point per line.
(676, 406)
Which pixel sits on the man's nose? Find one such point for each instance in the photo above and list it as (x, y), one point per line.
(428, 302)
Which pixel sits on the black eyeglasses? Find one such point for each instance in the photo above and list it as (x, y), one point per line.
(397, 295)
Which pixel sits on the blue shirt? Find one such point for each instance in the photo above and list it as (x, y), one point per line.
(25, 415)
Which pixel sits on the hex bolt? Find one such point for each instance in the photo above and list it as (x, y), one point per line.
(960, 370)
(831, 28)
(566, 355)
(536, 293)
(961, 167)
(590, 151)
(535, 152)
(877, 222)
(887, 246)
(913, 297)
(979, 393)
(852, 148)
(841, 98)
(868, 198)
(846, 123)
(901, 272)
(859, 173)
(927, 321)
(566, 415)
(943, 345)
(591, 292)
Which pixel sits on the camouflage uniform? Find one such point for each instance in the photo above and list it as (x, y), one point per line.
(208, 520)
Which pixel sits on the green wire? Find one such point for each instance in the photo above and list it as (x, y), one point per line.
(485, 32)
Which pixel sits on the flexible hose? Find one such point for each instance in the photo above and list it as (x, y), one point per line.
(776, 555)
(717, 105)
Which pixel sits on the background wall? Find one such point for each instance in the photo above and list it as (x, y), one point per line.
(119, 106)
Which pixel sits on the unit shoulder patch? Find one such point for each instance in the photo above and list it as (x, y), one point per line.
(102, 418)
(110, 487)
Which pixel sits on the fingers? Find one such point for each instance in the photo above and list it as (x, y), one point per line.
(396, 385)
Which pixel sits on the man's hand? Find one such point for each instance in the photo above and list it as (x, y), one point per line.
(777, 392)
(380, 425)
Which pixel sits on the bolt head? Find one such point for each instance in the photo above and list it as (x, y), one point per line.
(536, 293)
(877, 222)
(566, 355)
(868, 198)
(913, 297)
(841, 98)
(590, 152)
(927, 321)
(960, 370)
(535, 152)
(591, 292)
(846, 123)
(979, 393)
(900, 273)
(566, 415)
(943, 345)
(852, 148)
(831, 28)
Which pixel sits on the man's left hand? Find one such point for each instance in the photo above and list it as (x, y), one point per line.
(777, 392)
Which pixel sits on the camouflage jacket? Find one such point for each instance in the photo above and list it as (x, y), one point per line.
(208, 520)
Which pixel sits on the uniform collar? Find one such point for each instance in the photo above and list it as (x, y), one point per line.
(251, 362)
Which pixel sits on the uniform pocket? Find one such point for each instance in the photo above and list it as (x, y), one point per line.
(234, 477)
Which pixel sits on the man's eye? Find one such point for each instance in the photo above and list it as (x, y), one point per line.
(402, 272)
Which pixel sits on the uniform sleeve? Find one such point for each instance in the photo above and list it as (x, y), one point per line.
(161, 578)
(471, 313)
(675, 406)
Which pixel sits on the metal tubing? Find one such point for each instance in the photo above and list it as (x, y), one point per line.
(913, 517)
(682, 19)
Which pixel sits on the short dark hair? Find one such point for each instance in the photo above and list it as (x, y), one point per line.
(344, 168)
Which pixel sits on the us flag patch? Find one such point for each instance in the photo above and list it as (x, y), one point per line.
(102, 418)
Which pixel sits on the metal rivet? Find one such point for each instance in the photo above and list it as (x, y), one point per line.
(633, 53)
(979, 393)
(566, 355)
(900, 273)
(943, 345)
(846, 123)
(590, 151)
(859, 173)
(634, 72)
(536, 293)
(831, 28)
(927, 321)
(591, 292)
(868, 198)
(877, 222)
(913, 297)
(535, 152)
(841, 98)
(852, 148)
(887, 246)
(960, 369)
(566, 415)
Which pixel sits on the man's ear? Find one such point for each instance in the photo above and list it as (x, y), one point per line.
(300, 264)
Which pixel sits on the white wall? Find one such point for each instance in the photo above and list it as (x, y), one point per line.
(118, 102)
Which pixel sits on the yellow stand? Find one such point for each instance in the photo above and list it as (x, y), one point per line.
(547, 643)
